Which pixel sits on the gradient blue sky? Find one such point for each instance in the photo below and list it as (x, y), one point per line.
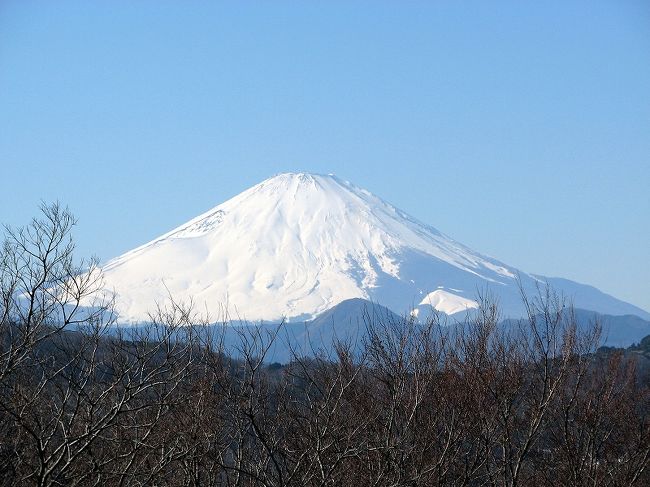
(521, 129)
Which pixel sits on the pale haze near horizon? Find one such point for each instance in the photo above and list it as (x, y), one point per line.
(520, 130)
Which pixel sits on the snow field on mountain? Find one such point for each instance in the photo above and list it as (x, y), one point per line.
(295, 245)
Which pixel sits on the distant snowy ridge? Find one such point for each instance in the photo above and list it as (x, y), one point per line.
(297, 244)
(445, 302)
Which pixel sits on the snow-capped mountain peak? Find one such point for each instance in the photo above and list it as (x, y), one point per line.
(297, 244)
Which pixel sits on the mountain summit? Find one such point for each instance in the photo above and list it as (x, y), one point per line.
(297, 244)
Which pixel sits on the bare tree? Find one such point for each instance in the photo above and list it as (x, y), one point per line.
(84, 402)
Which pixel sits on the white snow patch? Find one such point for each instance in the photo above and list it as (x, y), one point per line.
(447, 302)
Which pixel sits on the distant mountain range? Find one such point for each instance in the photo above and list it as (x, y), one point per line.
(350, 320)
(297, 245)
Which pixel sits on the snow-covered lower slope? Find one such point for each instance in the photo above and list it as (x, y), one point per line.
(295, 245)
(445, 302)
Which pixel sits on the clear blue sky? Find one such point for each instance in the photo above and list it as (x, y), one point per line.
(521, 129)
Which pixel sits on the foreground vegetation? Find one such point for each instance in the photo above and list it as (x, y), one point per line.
(410, 404)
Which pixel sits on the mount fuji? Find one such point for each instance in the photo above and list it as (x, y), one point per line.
(297, 244)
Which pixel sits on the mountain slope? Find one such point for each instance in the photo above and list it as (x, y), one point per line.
(295, 245)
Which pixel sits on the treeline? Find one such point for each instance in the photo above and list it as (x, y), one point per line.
(411, 404)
